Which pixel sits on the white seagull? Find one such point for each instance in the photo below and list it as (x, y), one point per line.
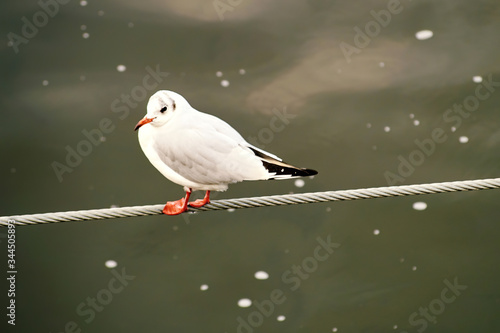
(202, 152)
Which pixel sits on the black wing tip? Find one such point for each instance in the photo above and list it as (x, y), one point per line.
(280, 170)
(309, 172)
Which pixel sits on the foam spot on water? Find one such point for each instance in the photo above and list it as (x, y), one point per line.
(85, 35)
(218, 74)
(83, 3)
(463, 139)
(299, 183)
(121, 68)
(416, 122)
(376, 232)
(45, 83)
(242, 71)
(477, 79)
(424, 34)
(204, 287)
(110, 264)
(261, 275)
(244, 303)
(419, 205)
(224, 83)
(280, 318)
(387, 129)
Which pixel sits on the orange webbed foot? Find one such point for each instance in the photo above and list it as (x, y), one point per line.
(201, 202)
(175, 207)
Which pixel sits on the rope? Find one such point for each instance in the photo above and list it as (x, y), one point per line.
(273, 200)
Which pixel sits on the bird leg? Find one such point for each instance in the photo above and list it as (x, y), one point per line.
(201, 202)
(177, 207)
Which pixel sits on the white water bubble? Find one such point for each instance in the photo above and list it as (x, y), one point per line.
(387, 129)
(299, 183)
(416, 122)
(204, 287)
(218, 74)
(244, 303)
(110, 264)
(424, 34)
(121, 68)
(376, 232)
(242, 71)
(463, 139)
(381, 64)
(83, 3)
(261, 275)
(224, 83)
(85, 35)
(477, 78)
(45, 83)
(419, 205)
(280, 318)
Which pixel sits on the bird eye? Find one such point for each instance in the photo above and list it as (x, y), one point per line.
(163, 109)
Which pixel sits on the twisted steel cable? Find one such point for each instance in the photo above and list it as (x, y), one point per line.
(273, 200)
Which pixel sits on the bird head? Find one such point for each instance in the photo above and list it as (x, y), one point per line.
(162, 107)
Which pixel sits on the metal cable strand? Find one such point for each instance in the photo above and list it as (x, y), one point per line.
(274, 200)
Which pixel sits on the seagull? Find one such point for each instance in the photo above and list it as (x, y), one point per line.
(202, 152)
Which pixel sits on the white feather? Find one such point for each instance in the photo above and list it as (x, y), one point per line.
(195, 149)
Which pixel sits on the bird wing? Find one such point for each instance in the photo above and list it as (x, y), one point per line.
(208, 151)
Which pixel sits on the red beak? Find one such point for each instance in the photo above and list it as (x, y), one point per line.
(143, 121)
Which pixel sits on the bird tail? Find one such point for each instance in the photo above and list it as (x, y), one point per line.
(277, 168)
